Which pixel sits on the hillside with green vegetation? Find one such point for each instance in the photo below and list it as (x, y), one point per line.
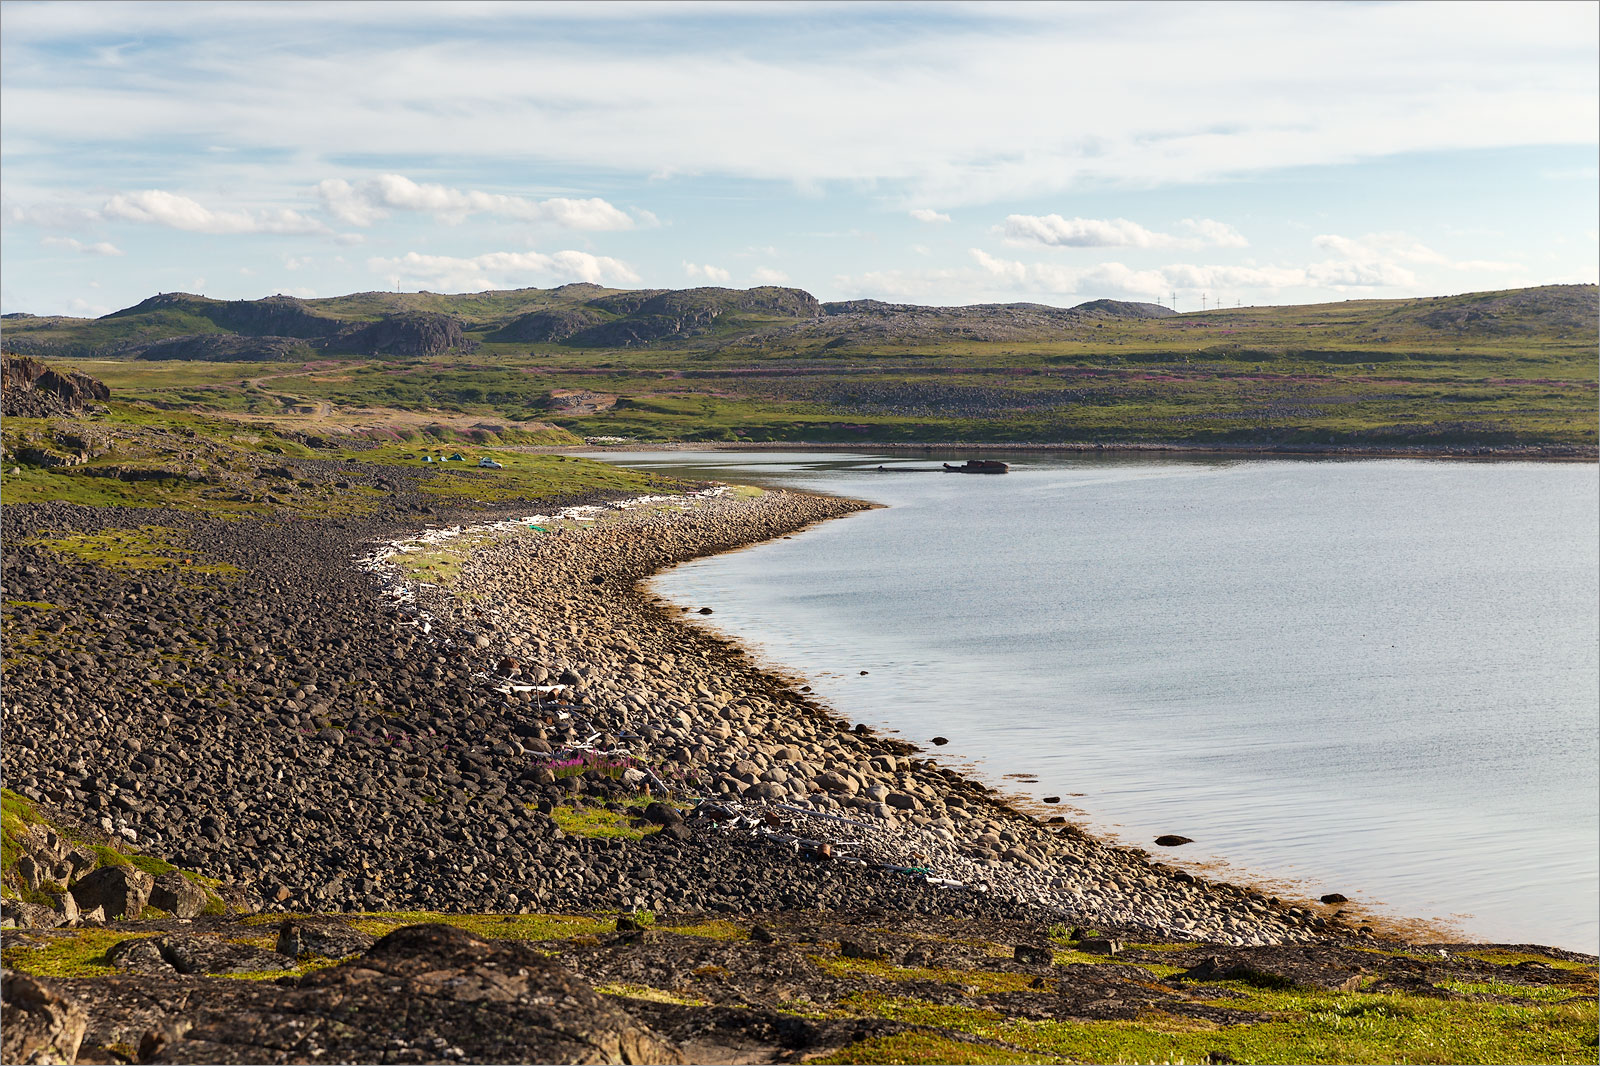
(1511, 370)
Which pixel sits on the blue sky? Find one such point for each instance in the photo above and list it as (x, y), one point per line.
(945, 154)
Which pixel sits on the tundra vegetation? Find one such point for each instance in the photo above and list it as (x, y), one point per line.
(1498, 369)
(269, 783)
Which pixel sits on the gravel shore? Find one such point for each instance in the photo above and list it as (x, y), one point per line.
(764, 761)
(322, 730)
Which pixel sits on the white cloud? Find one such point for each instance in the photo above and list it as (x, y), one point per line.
(84, 309)
(1379, 249)
(1118, 279)
(924, 214)
(366, 203)
(707, 271)
(501, 269)
(162, 208)
(51, 216)
(769, 276)
(1203, 91)
(1219, 234)
(1057, 232)
(97, 248)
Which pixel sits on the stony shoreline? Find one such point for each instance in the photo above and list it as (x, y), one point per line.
(696, 709)
(584, 829)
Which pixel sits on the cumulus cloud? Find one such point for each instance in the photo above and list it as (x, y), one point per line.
(707, 271)
(97, 248)
(501, 269)
(1057, 232)
(1118, 279)
(161, 208)
(366, 203)
(1376, 250)
(1219, 234)
(1054, 231)
(51, 216)
(924, 214)
(769, 276)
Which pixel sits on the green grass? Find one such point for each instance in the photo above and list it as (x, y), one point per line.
(1375, 373)
(81, 953)
(1308, 1028)
(714, 929)
(926, 1048)
(982, 980)
(17, 817)
(534, 927)
(599, 823)
(1512, 958)
(649, 994)
(1534, 993)
(144, 548)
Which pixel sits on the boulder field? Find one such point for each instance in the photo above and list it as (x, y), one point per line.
(362, 766)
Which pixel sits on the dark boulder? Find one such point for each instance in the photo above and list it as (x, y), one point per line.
(546, 327)
(213, 955)
(450, 995)
(411, 333)
(29, 389)
(659, 813)
(327, 937)
(42, 1025)
(178, 896)
(120, 891)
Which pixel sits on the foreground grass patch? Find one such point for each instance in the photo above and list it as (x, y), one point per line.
(982, 980)
(144, 548)
(81, 954)
(715, 929)
(1308, 1028)
(919, 1048)
(599, 823)
(488, 926)
(651, 995)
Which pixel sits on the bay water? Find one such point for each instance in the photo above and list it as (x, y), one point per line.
(1370, 676)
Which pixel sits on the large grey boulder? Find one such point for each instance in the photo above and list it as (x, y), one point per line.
(327, 937)
(177, 895)
(41, 1024)
(119, 891)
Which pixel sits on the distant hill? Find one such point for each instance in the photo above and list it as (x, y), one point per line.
(584, 316)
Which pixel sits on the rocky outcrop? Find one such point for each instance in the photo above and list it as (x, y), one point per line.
(178, 896)
(413, 333)
(274, 316)
(692, 312)
(42, 1024)
(29, 389)
(120, 891)
(1123, 309)
(545, 327)
(326, 937)
(224, 348)
(424, 993)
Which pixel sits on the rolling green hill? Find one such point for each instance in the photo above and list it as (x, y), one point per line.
(1509, 369)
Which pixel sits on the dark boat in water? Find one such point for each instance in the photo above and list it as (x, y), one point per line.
(978, 466)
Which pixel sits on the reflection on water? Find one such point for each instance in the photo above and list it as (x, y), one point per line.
(1377, 676)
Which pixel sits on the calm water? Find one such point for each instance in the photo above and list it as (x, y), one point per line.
(1374, 677)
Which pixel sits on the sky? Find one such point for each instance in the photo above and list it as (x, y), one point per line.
(1191, 154)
